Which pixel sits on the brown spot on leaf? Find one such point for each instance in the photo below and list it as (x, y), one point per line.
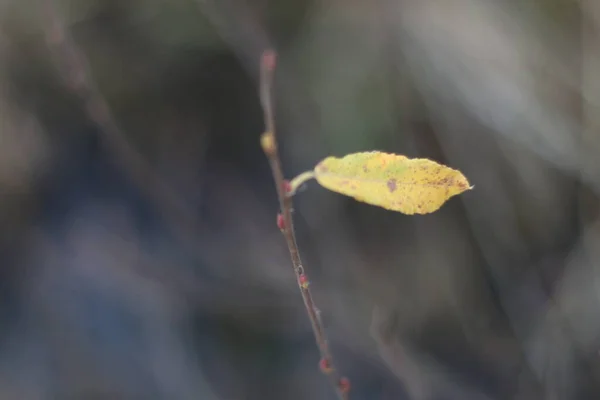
(365, 169)
(322, 168)
(391, 184)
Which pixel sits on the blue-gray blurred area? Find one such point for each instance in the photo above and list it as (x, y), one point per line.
(143, 261)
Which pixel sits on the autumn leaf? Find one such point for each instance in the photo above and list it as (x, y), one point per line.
(391, 181)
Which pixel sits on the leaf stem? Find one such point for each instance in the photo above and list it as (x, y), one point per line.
(284, 192)
(300, 180)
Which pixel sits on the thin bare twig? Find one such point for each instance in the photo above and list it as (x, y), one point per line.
(286, 224)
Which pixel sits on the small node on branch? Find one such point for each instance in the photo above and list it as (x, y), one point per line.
(325, 366)
(269, 59)
(303, 280)
(287, 187)
(267, 142)
(344, 385)
(280, 222)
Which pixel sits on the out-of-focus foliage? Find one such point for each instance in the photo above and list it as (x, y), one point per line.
(108, 293)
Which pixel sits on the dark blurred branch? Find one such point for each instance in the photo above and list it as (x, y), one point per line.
(286, 224)
(72, 66)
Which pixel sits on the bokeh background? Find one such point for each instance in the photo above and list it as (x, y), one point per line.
(140, 258)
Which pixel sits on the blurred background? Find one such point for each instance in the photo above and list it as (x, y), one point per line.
(140, 258)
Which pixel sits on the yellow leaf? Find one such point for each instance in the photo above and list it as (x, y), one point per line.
(394, 182)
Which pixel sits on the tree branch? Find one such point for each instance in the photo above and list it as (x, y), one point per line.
(285, 223)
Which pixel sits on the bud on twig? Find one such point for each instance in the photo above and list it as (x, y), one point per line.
(286, 186)
(280, 222)
(325, 366)
(303, 280)
(267, 142)
(344, 385)
(269, 60)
